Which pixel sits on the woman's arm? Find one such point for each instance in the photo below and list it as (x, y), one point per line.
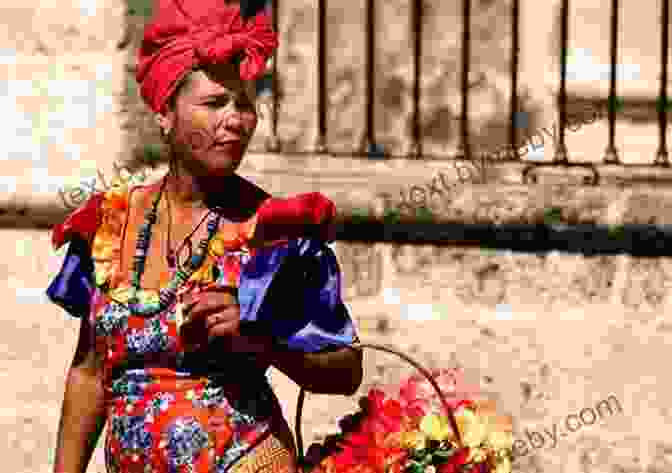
(337, 371)
(83, 413)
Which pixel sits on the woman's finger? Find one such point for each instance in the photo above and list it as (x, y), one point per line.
(221, 317)
(224, 328)
(204, 308)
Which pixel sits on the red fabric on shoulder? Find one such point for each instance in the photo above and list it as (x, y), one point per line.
(279, 219)
(84, 221)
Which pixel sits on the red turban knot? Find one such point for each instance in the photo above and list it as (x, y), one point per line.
(173, 45)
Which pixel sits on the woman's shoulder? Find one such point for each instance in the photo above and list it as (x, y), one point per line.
(81, 222)
(306, 208)
(306, 215)
(107, 206)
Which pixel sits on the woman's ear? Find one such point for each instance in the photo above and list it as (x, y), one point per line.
(163, 122)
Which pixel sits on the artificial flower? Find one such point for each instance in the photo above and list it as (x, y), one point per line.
(387, 414)
(473, 429)
(389, 442)
(415, 440)
(452, 384)
(414, 409)
(500, 440)
(503, 466)
(436, 427)
(457, 460)
(477, 455)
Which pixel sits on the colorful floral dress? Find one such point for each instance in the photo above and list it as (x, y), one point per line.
(167, 407)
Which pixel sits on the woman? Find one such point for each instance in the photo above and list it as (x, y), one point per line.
(181, 319)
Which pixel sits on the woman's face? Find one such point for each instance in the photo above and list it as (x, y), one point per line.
(213, 121)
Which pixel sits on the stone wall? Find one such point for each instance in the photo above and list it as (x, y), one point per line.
(545, 335)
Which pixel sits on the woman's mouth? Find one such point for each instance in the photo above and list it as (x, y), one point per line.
(228, 145)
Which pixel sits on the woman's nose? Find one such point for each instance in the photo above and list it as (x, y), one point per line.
(233, 122)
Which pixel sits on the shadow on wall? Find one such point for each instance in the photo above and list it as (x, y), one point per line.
(440, 108)
(489, 82)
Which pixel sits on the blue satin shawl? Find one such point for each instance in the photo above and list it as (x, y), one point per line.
(290, 291)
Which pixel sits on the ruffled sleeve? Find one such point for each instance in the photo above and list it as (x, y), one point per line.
(73, 286)
(292, 289)
(83, 222)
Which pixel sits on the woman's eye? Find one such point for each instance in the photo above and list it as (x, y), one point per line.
(218, 103)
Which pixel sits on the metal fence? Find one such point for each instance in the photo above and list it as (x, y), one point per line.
(561, 156)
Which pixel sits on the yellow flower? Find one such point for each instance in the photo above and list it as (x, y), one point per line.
(503, 466)
(500, 440)
(477, 455)
(416, 440)
(436, 427)
(499, 428)
(472, 428)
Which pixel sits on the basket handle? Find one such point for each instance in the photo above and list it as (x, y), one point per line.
(418, 366)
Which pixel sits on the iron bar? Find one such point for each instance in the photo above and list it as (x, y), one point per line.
(611, 153)
(321, 145)
(515, 22)
(273, 143)
(368, 145)
(465, 148)
(662, 158)
(416, 147)
(561, 149)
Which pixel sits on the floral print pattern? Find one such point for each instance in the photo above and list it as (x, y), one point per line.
(162, 418)
(167, 407)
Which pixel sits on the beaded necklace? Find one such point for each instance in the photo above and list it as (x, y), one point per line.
(168, 294)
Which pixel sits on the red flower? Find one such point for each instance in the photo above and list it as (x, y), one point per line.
(474, 469)
(376, 457)
(366, 448)
(384, 415)
(83, 221)
(452, 465)
(359, 439)
(414, 408)
(396, 468)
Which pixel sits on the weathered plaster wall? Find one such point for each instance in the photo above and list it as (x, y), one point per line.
(545, 335)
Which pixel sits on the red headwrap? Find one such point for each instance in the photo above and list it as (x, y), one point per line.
(202, 32)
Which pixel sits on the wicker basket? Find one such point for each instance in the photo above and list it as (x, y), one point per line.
(423, 371)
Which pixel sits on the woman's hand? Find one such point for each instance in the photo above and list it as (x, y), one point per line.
(217, 313)
(220, 311)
